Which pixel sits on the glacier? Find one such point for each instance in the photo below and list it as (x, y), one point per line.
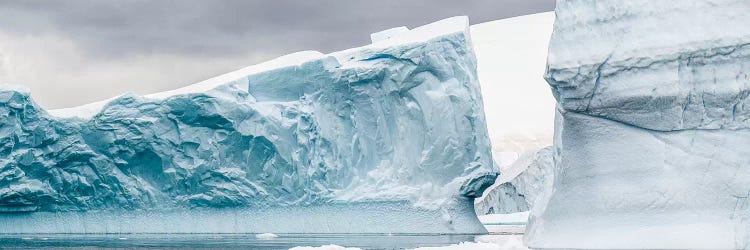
(652, 130)
(301, 144)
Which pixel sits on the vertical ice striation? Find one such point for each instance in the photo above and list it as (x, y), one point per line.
(652, 143)
(306, 143)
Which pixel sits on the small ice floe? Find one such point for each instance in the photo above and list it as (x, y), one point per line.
(520, 218)
(326, 247)
(465, 246)
(266, 236)
(486, 242)
(27, 238)
(122, 238)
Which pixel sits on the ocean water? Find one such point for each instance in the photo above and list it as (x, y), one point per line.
(505, 234)
(224, 241)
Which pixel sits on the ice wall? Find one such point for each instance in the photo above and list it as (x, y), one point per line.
(308, 143)
(652, 141)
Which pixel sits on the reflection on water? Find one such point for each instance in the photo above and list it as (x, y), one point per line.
(226, 241)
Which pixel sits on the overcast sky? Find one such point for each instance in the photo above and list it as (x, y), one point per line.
(75, 52)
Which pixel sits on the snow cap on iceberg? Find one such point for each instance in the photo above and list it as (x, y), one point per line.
(387, 34)
(13, 87)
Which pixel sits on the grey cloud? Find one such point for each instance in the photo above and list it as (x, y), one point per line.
(77, 51)
(208, 28)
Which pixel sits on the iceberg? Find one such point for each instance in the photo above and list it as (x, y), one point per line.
(520, 185)
(652, 132)
(511, 55)
(302, 144)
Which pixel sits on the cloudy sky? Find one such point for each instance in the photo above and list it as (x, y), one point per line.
(75, 52)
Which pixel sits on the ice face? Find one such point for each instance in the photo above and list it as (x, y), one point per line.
(651, 137)
(681, 69)
(394, 127)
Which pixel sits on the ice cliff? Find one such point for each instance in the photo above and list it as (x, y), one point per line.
(652, 135)
(305, 143)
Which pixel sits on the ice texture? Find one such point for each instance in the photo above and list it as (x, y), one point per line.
(520, 185)
(652, 143)
(301, 144)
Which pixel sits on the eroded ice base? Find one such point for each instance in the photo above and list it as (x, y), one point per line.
(366, 217)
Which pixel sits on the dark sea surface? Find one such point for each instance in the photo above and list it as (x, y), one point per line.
(223, 241)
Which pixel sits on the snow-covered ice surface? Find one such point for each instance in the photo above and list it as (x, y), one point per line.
(87, 111)
(301, 144)
(387, 34)
(652, 135)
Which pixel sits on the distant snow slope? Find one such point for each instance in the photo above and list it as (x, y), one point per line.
(511, 58)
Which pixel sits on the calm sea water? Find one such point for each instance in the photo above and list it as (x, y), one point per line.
(224, 241)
